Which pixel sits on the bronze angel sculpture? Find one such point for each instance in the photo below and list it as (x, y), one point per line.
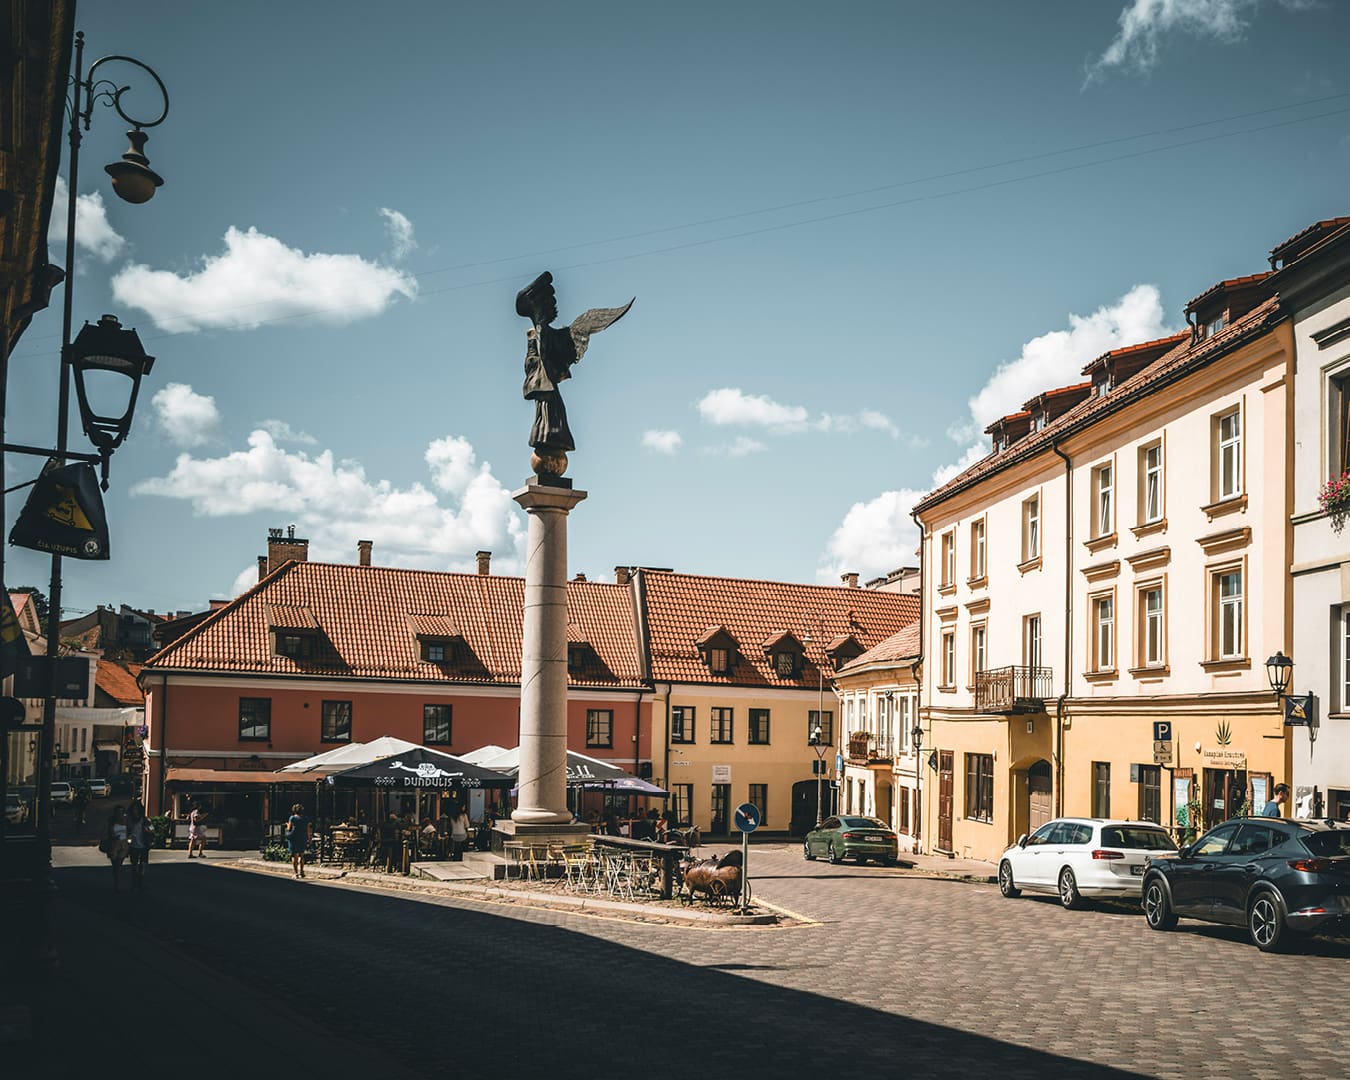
(549, 356)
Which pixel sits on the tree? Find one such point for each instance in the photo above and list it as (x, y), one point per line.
(39, 602)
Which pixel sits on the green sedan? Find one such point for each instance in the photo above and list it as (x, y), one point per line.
(852, 836)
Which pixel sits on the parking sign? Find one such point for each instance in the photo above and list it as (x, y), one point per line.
(1162, 730)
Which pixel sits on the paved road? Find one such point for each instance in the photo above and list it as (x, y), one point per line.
(897, 975)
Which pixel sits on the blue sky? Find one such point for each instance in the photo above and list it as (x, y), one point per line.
(856, 234)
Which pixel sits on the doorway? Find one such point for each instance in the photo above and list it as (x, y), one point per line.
(1225, 795)
(945, 779)
(721, 809)
(1040, 795)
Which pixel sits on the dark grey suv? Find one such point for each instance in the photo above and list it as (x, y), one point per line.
(1270, 875)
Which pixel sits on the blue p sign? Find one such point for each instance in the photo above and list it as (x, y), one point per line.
(1162, 730)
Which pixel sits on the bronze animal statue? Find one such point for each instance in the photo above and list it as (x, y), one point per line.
(719, 878)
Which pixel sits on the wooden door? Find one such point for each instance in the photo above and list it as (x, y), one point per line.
(1040, 796)
(945, 778)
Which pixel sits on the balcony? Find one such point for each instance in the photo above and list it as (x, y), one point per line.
(864, 748)
(1009, 690)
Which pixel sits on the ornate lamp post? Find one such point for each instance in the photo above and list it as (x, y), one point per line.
(821, 748)
(99, 350)
(916, 735)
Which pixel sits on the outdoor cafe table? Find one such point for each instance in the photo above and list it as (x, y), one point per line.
(669, 853)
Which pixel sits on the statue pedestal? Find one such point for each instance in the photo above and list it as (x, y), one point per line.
(542, 781)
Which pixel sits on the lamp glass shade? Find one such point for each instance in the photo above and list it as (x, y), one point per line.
(100, 352)
(1278, 670)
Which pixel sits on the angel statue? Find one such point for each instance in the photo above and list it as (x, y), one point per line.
(549, 356)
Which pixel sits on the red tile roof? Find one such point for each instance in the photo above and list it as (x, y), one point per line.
(1229, 284)
(1180, 360)
(364, 615)
(901, 646)
(681, 607)
(118, 681)
(1316, 226)
(1161, 344)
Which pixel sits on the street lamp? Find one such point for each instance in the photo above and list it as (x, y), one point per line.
(821, 749)
(101, 349)
(916, 735)
(1279, 669)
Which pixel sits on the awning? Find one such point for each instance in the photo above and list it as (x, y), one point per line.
(233, 776)
(421, 767)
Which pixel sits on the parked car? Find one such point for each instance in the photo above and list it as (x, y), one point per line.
(62, 792)
(1270, 875)
(1081, 858)
(99, 789)
(852, 836)
(16, 809)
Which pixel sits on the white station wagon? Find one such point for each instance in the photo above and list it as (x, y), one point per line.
(1081, 858)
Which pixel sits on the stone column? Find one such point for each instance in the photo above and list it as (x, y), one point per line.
(542, 783)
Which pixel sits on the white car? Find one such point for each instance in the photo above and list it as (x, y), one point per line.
(1081, 858)
(99, 789)
(62, 792)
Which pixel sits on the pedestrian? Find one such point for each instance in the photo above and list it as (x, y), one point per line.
(114, 844)
(298, 835)
(140, 839)
(459, 833)
(197, 831)
(81, 807)
(1275, 808)
(482, 841)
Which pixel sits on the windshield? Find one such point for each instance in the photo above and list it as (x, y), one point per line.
(1136, 838)
(862, 823)
(1330, 843)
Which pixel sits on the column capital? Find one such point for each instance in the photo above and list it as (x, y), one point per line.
(545, 497)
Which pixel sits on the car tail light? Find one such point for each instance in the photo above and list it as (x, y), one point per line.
(849, 836)
(1310, 866)
(1103, 853)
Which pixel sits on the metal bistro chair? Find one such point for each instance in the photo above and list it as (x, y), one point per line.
(619, 875)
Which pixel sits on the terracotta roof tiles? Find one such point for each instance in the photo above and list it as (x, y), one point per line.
(901, 646)
(118, 681)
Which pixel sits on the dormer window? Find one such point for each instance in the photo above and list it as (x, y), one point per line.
(438, 639)
(435, 652)
(785, 664)
(295, 631)
(719, 661)
(577, 651)
(296, 646)
(785, 652)
(718, 650)
(1213, 326)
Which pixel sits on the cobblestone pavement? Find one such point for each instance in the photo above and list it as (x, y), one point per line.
(896, 975)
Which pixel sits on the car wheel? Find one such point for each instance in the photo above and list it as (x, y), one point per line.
(1005, 880)
(835, 858)
(1157, 907)
(1265, 922)
(1069, 895)
(806, 850)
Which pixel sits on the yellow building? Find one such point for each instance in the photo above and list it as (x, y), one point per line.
(1117, 562)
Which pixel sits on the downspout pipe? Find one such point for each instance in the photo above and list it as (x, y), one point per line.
(918, 697)
(1068, 628)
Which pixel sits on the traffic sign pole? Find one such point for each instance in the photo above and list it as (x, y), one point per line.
(747, 820)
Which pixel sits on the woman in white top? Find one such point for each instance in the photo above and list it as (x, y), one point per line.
(114, 843)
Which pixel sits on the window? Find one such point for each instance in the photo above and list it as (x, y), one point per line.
(902, 805)
(720, 726)
(576, 656)
(785, 664)
(600, 728)
(682, 724)
(1229, 459)
(681, 803)
(949, 658)
(1031, 529)
(337, 722)
(1150, 484)
(759, 728)
(721, 808)
(1338, 425)
(1343, 680)
(1031, 641)
(435, 653)
(948, 560)
(296, 646)
(1151, 627)
(719, 661)
(905, 722)
(1227, 628)
(1103, 656)
(1150, 793)
(979, 636)
(823, 720)
(1101, 789)
(1103, 521)
(759, 796)
(977, 556)
(436, 724)
(980, 787)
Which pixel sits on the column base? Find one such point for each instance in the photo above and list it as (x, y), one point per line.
(562, 833)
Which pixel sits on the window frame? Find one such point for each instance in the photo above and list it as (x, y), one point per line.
(1031, 528)
(1103, 645)
(1342, 672)
(1103, 500)
(721, 725)
(304, 645)
(330, 728)
(1145, 660)
(948, 564)
(825, 719)
(684, 733)
(1221, 608)
(1338, 420)
(1229, 458)
(431, 727)
(979, 788)
(785, 664)
(1150, 794)
(719, 660)
(979, 648)
(1032, 643)
(758, 795)
(265, 722)
(948, 660)
(1101, 789)
(1152, 487)
(754, 735)
(596, 719)
(979, 556)
(682, 804)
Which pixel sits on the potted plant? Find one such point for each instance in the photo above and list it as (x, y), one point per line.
(1334, 499)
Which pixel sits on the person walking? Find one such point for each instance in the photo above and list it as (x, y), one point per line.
(114, 844)
(298, 835)
(1275, 808)
(140, 839)
(197, 831)
(459, 833)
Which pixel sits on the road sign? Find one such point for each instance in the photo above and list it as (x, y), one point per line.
(747, 817)
(838, 763)
(1162, 751)
(1162, 731)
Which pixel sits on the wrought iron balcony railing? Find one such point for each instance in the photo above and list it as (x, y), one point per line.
(863, 747)
(1013, 689)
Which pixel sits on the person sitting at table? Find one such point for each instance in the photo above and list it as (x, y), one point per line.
(611, 823)
(593, 819)
(645, 829)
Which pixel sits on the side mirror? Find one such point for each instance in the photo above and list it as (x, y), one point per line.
(1022, 840)
(1184, 852)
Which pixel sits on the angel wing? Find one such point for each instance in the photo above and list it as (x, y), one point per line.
(592, 322)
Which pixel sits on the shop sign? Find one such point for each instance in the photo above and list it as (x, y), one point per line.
(1224, 759)
(721, 774)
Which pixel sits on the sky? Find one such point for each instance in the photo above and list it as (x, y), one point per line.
(856, 234)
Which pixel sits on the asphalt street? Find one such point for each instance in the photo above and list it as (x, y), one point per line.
(893, 975)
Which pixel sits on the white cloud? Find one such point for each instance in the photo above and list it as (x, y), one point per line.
(730, 406)
(244, 580)
(259, 279)
(93, 233)
(1145, 24)
(744, 445)
(400, 231)
(335, 504)
(283, 432)
(189, 418)
(874, 538)
(663, 442)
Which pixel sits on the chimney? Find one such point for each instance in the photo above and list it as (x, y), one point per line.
(621, 575)
(363, 551)
(262, 567)
(216, 605)
(287, 548)
(484, 562)
(850, 580)
(579, 577)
